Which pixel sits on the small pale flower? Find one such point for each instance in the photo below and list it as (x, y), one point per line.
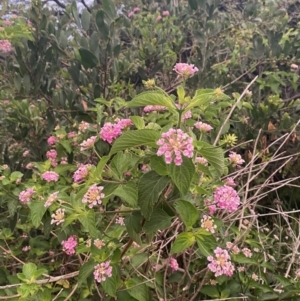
(247, 252)
(58, 217)
(82, 173)
(254, 277)
(26, 153)
(136, 9)
(26, 248)
(102, 271)
(208, 224)
(89, 143)
(256, 250)
(203, 127)
(93, 196)
(52, 197)
(185, 70)
(120, 221)
(130, 14)
(152, 108)
(99, 243)
(158, 18)
(235, 159)
(233, 248)
(173, 264)
(229, 182)
(83, 126)
(201, 160)
(241, 269)
(173, 145)
(166, 13)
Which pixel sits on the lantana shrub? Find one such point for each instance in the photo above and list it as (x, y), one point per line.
(137, 208)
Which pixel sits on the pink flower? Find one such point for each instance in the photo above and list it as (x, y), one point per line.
(89, 143)
(144, 167)
(159, 18)
(166, 13)
(29, 165)
(82, 173)
(102, 271)
(173, 264)
(186, 115)
(185, 70)
(50, 176)
(136, 9)
(201, 160)
(93, 196)
(51, 154)
(123, 123)
(52, 140)
(5, 46)
(120, 221)
(203, 127)
(173, 144)
(110, 132)
(25, 196)
(247, 252)
(83, 126)
(235, 159)
(70, 245)
(26, 248)
(220, 264)
(130, 14)
(64, 160)
(26, 153)
(208, 224)
(52, 197)
(229, 182)
(99, 243)
(71, 135)
(7, 23)
(233, 248)
(148, 109)
(225, 197)
(6, 102)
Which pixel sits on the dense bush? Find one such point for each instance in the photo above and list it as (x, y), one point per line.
(121, 175)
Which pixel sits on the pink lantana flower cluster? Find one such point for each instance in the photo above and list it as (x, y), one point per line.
(225, 197)
(185, 70)
(69, 245)
(229, 182)
(220, 263)
(50, 176)
(173, 145)
(201, 160)
(93, 196)
(52, 197)
(52, 140)
(102, 271)
(235, 159)
(110, 131)
(25, 196)
(151, 108)
(52, 155)
(82, 173)
(5, 46)
(208, 224)
(173, 264)
(203, 127)
(58, 217)
(89, 143)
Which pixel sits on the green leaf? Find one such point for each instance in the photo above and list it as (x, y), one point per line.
(88, 59)
(214, 155)
(74, 11)
(97, 174)
(66, 145)
(182, 175)
(187, 212)
(133, 226)
(110, 285)
(152, 98)
(85, 271)
(137, 289)
(85, 19)
(240, 258)
(29, 269)
(15, 175)
(120, 164)
(88, 220)
(37, 210)
(159, 165)
(268, 296)
(193, 4)
(210, 290)
(109, 8)
(150, 186)
(128, 193)
(138, 122)
(26, 83)
(102, 25)
(159, 220)
(135, 138)
(206, 242)
(182, 242)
